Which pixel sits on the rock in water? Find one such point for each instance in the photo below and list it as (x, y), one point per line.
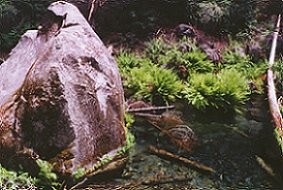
(61, 96)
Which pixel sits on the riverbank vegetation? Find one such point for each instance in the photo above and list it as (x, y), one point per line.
(164, 73)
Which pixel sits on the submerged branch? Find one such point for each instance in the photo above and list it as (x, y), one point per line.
(157, 180)
(161, 152)
(147, 109)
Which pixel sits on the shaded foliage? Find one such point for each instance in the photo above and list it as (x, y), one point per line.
(278, 70)
(16, 17)
(184, 57)
(14, 180)
(218, 16)
(45, 179)
(142, 18)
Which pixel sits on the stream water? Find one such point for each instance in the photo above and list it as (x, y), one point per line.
(231, 148)
(228, 148)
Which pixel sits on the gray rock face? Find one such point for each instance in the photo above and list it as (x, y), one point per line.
(61, 96)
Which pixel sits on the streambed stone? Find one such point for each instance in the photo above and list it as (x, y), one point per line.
(61, 97)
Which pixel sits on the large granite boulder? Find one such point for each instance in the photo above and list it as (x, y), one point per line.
(61, 97)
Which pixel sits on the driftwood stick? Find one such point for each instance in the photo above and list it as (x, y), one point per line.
(157, 180)
(265, 166)
(78, 184)
(148, 115)
(153, 108)
(161, 152)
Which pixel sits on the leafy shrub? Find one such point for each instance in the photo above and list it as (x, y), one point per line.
(13, 180)
(155, 48)
(154, 84)
(222, 15)
(16, 17)
(129, 120)
(210, 14)
(127, 61)
(186, 63)
(46, 178)
(278, 69)
(183, 56)
(243, 64)
(224, 91)
(242, 14)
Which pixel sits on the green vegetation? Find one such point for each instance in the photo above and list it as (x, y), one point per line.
(243, 63)
(165, 72)
(215, 16)
(278, 69)
(154, 84)
(193, 61)
(17, 16)
(129, 120)
(279, 138)
(142, 79)
(12, 180)
(127, 61)
(222, 15)
(46, 178)
(156, 48)
(224, 91)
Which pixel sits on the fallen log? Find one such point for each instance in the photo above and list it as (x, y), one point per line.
(186, 161)
(272, 99)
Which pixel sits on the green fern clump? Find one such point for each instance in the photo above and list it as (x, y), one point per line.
(14, 180)
(242, 63)
(46, 178)
(126, 61)
(186, 63)
(155, 48)
(153, 84)
(182, 56)
(278, 69)
(224, 91)
(145, 79)
(129, 120)
(198, 62)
